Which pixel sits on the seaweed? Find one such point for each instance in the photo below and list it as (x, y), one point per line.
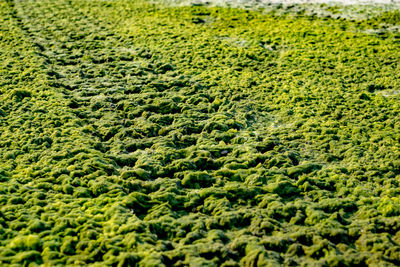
(135, 133)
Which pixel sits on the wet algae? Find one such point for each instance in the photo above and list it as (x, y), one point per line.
(134, 133)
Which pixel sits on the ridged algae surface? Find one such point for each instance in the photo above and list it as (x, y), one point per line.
(134, 133)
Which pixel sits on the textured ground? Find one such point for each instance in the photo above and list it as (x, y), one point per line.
(134, 133)
(349, 9)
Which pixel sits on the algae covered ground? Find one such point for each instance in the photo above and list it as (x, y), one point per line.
(137, 133)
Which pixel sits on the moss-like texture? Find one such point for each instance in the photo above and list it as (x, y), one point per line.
(141, 134)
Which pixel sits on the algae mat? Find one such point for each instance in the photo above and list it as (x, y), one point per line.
(141, 134)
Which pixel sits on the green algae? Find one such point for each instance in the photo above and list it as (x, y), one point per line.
(149, 135)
